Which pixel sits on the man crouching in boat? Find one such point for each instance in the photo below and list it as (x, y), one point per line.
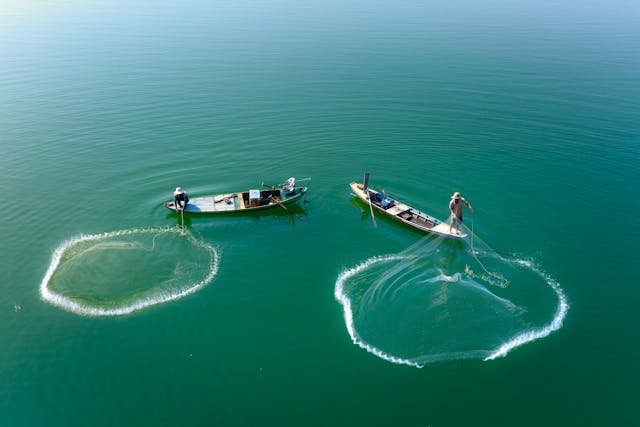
(180, 199)
(455, 206)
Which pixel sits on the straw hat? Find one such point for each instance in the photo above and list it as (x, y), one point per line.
(456, 195)
(178, 189)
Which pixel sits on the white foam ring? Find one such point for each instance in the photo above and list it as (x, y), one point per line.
(83, 309)
(348, 314)
(535, 334)
(501, 351)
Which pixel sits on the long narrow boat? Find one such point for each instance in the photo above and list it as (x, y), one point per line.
(401, 211)
(244, 201)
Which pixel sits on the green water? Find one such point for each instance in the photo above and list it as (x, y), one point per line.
(531, 110)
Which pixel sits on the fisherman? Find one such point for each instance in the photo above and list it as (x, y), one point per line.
(290, 186)
(455, 206)
(180, 199)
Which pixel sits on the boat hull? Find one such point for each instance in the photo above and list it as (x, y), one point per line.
(403, 212)
(240, 202)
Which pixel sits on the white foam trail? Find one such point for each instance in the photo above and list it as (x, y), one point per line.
(477, 286)
(444, 278)
(74, 306)
(348, 314)
(535, 334)
(457, 278)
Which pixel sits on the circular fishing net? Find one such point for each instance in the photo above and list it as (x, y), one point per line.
(120, 272)
(444, 300)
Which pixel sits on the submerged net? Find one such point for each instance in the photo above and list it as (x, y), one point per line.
(120, 272)
(447, 300)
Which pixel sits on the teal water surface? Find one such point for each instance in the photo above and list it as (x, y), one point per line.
(530, 109)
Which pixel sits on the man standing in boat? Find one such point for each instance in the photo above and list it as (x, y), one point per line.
(455, 206)
(180, 199)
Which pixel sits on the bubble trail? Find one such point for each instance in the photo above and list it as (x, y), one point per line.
(50, 296)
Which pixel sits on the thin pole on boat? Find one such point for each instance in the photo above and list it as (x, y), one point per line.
(182, 216)
(365, 188)
(373, 218)
(297, 180)
(275, 199)
(280, 203)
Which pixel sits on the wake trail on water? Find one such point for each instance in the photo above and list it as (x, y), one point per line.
(120, 272)
(442, 300)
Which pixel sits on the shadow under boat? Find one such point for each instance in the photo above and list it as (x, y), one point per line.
(293, 211)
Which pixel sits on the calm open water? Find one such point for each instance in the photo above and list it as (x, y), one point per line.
(530, 109)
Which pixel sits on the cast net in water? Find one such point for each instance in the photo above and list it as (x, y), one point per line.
(444, 300)
(123, 271)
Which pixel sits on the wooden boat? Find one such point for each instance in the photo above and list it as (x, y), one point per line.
(401, 211)
(245, 201)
